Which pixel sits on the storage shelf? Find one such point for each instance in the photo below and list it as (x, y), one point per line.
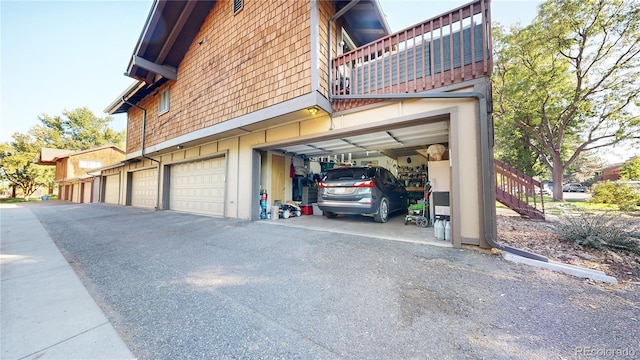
(413, 179)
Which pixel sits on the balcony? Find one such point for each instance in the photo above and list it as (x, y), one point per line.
(445, 50)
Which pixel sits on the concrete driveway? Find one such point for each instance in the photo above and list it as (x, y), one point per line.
(192, 287)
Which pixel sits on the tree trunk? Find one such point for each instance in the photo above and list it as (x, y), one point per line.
(557, 174)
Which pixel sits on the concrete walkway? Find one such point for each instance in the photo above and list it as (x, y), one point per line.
(46, 311)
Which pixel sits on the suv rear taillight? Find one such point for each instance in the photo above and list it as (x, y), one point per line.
(322, 185)
(366, 183)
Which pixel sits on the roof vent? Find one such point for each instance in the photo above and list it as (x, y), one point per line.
(237, 6)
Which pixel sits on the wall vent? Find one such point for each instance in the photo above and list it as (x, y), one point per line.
(237, 6)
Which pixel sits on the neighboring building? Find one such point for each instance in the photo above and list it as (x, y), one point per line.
(611, 173)
(72, 170)
(230, 97)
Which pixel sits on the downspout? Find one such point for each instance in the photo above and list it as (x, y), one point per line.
(487, 173)
(144, 128)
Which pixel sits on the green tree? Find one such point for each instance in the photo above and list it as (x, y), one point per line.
(514, 149)
(569, 84)
(630, 170)
(18, 161)
(78, 129)
(584, 170)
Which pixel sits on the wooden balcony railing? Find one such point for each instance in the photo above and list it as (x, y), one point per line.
(518, 191)
(445, 50)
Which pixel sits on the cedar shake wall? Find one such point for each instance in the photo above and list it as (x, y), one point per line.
(61, 169)
(105, 157)
(245, 62)
(326, 10)
(69, 167)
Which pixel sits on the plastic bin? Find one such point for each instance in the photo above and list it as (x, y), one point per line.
(306, 209)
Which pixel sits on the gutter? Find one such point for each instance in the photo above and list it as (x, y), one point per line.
(128, 92)
(144, 128)
(487, 173)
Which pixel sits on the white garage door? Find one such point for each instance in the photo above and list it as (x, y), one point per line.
(75, 189)
(112, 189)
(144, 187)
(198, 187)
(86, 196)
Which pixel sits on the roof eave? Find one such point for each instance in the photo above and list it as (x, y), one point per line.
(126, 95)
(383, 18)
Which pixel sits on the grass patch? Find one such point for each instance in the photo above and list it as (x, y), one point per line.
(21, 200)
(573, 206)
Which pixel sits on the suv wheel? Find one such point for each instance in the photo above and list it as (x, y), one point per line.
(330, 214)
(383, 211)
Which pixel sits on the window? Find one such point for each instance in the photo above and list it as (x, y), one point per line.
(237, 6)
(346, 44)
(163, 102)
(89, 164)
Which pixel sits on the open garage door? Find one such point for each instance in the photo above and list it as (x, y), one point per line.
(393, 142)
(112, 189)
(198, 186)
(144, 188)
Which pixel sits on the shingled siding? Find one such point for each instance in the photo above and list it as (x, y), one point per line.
(372, 77)
(237, 64)
(326, 9)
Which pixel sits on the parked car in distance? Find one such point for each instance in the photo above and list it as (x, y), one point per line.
(574, 187)
(545, 191)
(369, 190)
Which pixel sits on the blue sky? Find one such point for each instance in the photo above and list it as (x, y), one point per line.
(61, 55)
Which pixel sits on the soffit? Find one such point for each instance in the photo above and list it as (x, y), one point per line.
(167, 34)
(365, 21)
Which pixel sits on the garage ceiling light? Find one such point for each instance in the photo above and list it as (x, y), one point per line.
(312, 111)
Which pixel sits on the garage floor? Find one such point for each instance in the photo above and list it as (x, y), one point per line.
(394, 229)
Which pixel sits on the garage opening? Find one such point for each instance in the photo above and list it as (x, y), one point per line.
(408, 152)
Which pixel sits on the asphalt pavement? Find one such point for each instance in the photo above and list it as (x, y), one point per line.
(47, 312)
(176, 285)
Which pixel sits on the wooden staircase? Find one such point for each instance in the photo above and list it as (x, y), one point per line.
(520, 192)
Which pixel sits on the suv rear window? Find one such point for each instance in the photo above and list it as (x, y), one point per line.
(350, 173)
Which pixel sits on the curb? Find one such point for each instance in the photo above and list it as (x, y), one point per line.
(563, 268)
